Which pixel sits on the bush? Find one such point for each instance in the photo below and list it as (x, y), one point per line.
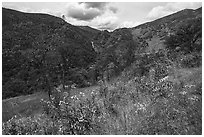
(74, 117)
(178, 113)
(14, 88)
(135, 107)
(37, 125)
(59, 118)
(192, 60)
(187, 38)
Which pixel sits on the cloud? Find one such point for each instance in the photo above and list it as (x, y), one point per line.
(95, 14)
(98, 5)
(169, 8)
(85, 10)
(106, 21)
(79, 11)
(158, 12)
(83, 14)
(113, 9)
(129, 24)
(109, 22)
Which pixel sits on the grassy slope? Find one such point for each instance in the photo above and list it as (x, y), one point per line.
(30, 105)
(22, 106)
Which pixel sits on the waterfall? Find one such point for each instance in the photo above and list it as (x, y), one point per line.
(92, 44)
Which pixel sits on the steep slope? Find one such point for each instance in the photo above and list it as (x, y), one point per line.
(152, 95)
(100, 40)
(117, 51)
(91, 32)
(31, 40)
(148, 38)
(155, 32)
(27, 38)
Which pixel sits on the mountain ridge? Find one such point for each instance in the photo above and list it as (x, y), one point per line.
(82, 46)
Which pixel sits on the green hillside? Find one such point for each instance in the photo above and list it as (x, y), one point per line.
(35, 45)
(145, 80)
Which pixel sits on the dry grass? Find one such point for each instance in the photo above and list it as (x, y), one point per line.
(128, 107)
(22, 106)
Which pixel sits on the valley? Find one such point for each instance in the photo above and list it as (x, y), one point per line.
(61, 79)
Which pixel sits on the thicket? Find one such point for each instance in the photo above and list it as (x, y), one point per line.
(185, 45)
(37, 57)
(135, 107)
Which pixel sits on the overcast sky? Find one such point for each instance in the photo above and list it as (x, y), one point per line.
(104, 15)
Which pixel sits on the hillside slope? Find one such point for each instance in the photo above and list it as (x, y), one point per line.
(148, 79)
(122, 47)
(32, 42)
(155, 32)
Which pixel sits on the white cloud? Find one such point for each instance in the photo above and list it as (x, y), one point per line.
(98, 5)
(170, 8)
(158, 12)
(129, 24)
(94, 15)
(106, 21)
(80, 11)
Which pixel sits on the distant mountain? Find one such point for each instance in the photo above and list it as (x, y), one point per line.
(32, 42)
(146, 38)
(91, 32)
(155, 32)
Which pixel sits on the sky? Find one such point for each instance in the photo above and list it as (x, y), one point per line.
(104, 15)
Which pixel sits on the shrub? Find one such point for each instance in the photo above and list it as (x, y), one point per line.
(74, 117)
(186, 37)
(14, 88)
(138, 106)
(177, 113)
(37, 125)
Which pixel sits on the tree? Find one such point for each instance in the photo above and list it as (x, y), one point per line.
(46, 61)
(66, 54)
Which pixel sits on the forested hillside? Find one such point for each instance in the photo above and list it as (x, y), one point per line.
(169, 36)
(40, 51)
(145, 80)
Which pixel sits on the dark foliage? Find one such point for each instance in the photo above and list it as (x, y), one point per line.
(39, 50)
(187, 38)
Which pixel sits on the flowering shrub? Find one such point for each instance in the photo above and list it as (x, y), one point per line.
(59, 117)
(140, 106)
(137, 106)
(37, 125)
(175, 113)
(71, 115)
